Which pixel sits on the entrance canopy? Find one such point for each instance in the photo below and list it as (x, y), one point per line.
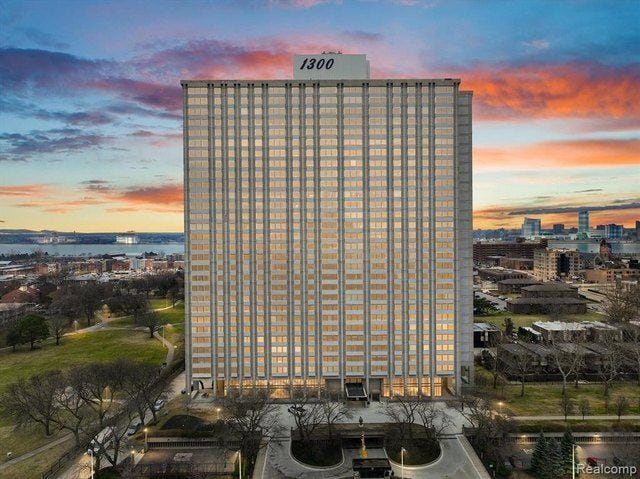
(355, 391)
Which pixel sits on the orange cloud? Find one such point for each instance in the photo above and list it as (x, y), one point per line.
(561, 154)
(575, 90)
(23, 190)
(153, 195)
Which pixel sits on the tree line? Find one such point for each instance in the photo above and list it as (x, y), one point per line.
(81, 301)
(85, 400)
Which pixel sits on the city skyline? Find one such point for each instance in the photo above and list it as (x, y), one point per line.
(91, 103)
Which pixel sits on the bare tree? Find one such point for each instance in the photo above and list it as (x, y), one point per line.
(62, 311)
(144, 384)
(585, 408)
(568, 359)
(631, 347)
(490, 429)
(307, 414)
(34, 400)
(250, 417)
(334, 411)
(621, 305)
(96, 384)
(520, 366)
(611, 363)
(402, 414)
(91, 295)
(566, 405)
(73, 413)
(622, 406)
(434, 420)
(149, 319)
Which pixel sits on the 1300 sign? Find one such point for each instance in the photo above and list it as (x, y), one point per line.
(311, 63)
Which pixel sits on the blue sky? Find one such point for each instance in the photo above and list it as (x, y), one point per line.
(90, 129)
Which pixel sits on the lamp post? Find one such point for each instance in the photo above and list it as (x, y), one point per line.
(217, 414)
(402, 451)
(146, 431)
(239, 463)
(133, 459)
(500, 407)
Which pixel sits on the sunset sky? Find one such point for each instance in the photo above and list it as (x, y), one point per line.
(90, 102)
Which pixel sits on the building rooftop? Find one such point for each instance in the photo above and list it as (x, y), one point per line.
(519, 281)
(550, 287)
(559, 325)
(484, 327)
(546, 301)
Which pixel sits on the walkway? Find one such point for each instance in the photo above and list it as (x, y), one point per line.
(609, 417)
(30, 454)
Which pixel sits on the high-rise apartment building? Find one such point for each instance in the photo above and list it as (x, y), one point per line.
(583, 222)
(531, 227)
(613, 231)
(328, 232)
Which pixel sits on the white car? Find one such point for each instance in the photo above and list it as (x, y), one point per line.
(134, 427)
(158, 405)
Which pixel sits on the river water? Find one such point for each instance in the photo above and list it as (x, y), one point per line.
(92, 249)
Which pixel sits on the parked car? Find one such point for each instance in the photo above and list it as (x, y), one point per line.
(102, 440)
(159, 404)
(134, 427)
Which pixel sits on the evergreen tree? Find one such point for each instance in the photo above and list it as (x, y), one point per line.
(566, 450)
(33, 328)
(554, 463)
(539, 457)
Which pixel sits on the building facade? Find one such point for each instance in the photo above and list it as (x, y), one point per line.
(328, 233)
(583, 222)
(531, 228)
(613, 231)
(552, 264)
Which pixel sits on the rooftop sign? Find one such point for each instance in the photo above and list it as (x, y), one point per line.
(330, 66)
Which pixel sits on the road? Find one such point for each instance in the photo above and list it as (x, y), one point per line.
(500, 303)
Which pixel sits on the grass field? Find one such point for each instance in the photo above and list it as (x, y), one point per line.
(544, 398)
(528, 319)
(78, 349)
(36, 465)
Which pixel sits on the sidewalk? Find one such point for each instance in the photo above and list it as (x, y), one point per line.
(30, 454)
(609, 417)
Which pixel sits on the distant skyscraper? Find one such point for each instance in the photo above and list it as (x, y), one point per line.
(638, 230)
(531, 227)
(583, 222)
(558, 228)
(328, 232)
(613, 231)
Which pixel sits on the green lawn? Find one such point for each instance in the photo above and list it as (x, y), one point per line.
(544, 398)
(78, 349)
(528, 319)
(173, 315)
(38, 464)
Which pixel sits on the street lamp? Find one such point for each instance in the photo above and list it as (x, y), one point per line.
(500, 407)
(217, 414)
(239, 464)
(146, 431)
(574, 446)
(402, 451)
(133, 459)
(91, 457)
